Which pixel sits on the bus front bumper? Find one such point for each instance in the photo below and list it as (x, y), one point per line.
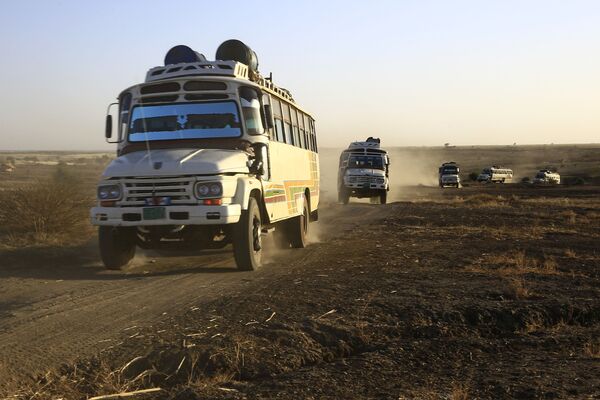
(167, 215)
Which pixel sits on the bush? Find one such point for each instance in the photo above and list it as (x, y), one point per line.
(48, 212)
(473, 176)
(64, 174)
(525, 179)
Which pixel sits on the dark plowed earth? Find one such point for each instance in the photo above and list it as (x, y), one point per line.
(471, 293)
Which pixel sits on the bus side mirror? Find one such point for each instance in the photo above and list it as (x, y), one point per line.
(268, 116)
(108, 127)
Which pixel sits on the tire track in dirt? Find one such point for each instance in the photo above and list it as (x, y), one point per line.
(61, 314)
(89, 317)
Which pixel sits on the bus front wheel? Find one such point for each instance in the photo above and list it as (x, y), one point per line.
(344, 197)
(247, 240)
(117, 246)
(383, 197)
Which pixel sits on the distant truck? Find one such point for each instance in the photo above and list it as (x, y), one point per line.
(448, 175)
(496, 174)
(364, 172)
(546, 177)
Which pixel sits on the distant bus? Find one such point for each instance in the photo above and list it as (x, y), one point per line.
(496, 174)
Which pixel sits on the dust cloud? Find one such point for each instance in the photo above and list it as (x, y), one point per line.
(408, 168)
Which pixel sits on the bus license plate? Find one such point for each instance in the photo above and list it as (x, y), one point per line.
(152, 213)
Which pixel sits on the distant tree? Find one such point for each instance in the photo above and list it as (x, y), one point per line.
(446, 144)
(473, 176)
(62, 174)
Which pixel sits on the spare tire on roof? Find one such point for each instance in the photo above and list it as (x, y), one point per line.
(182, 54)
(236, 50)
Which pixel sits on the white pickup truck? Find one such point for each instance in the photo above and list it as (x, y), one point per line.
(546, 177)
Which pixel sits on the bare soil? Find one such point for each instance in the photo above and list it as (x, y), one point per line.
(482, 292)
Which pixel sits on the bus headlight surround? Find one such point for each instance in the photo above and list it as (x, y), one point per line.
(206, 190)
(109, 192)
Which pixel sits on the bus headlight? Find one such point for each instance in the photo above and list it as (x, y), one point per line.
(109, 192)
(208, 190)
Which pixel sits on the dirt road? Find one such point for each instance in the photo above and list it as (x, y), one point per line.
(483, 292)
(55, 308)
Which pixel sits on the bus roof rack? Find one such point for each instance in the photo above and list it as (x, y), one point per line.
(183, 61)
(370, 143)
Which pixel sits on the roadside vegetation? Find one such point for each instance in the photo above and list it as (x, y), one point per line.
(47, 205)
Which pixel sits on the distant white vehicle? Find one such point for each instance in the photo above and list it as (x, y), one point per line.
(547, 177)
(496, 174)
(448, 175)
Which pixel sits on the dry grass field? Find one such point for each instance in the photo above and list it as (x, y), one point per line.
(490, 291)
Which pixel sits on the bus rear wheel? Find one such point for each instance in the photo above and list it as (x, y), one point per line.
(247, 240)
(117, 246)
(298, 228)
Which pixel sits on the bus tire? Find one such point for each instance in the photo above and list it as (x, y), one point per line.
(117, 246)
(247, 240)
(345, 197)
(383, 197)
(298, 228)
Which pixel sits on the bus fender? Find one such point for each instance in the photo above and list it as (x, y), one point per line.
(244, 188)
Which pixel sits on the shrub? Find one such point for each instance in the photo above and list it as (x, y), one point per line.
(63, 174)
(473, 176)
(49, 212)
(525, 179)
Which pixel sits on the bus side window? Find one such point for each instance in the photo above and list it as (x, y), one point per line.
(124, 107)
(266, 101)
(287, 123)
(301, 126)
(276, 107)
(295, 127)
(251, 110)
(314, 135)
(278, 130)
(307, 132)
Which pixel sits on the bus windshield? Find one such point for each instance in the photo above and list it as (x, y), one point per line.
(185, 121)
(449, 171)
(375, 162)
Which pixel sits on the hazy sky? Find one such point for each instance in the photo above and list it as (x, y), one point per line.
(412, 72)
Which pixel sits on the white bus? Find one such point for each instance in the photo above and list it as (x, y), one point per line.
(210, 153)
(496, 175)
(364, 171)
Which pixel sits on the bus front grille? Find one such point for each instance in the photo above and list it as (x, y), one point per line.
(139, 192)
